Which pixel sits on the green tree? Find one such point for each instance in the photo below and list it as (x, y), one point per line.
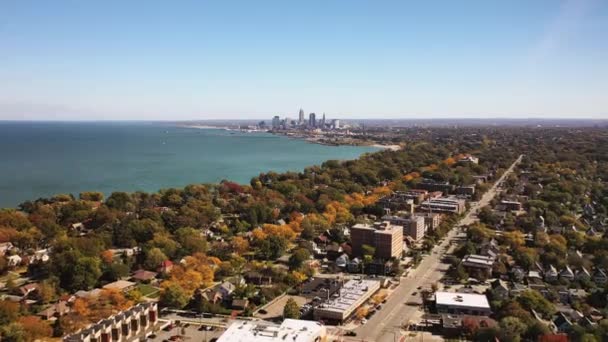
(272, 247)
(174, 296)
(154, 258)
(91, 196)
(190, 240)
(533, 300)
(291, 309)
(512, 328)
(76, 271)
(298, 257)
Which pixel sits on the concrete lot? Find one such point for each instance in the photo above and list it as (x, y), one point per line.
(189, 333)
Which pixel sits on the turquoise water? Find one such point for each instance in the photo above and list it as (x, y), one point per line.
(42, 159)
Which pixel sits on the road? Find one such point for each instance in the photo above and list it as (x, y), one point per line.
(385, 325)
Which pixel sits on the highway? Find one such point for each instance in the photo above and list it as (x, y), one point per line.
(386, 324)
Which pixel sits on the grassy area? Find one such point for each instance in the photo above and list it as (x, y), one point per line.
(148, 290)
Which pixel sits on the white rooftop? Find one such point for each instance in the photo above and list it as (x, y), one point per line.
(350, 294)
(462, 300)
(293, 330)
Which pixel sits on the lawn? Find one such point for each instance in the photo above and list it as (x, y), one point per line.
(148, 290)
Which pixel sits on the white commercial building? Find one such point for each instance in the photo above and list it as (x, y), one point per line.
(344, 302)
(293, 330)
(462, 303)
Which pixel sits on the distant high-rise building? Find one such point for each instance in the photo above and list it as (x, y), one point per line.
(301, 117)
(335, 124)
(323, 122)
(312, 120)
(276, 122)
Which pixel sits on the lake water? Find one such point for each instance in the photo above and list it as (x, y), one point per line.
(42, 159)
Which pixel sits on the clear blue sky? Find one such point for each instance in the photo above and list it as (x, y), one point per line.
(351, 59)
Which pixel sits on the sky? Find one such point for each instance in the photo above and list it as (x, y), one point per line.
(189, 60)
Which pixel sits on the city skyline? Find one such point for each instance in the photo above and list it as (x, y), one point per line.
(364, 60)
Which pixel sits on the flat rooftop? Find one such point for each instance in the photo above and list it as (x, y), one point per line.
(350, 293)
(463, 300)
(478, 259)
(293, 330)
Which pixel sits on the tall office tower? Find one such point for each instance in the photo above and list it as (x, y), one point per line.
(335, 124)
(276, 122)
(301, 117)
(323, 122)
(312, 120)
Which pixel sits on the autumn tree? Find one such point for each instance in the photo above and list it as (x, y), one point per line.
(35, 328)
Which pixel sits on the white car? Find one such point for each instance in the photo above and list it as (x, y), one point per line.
(363, 321)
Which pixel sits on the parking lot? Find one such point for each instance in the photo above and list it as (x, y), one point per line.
(275, 310)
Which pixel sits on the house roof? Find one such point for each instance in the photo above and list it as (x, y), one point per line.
(119, 285)
(143, 275)
(228, 286)
(240, 302)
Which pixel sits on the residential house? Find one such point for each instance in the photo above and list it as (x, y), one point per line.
(563, 294)
(551, 274)
(354, 266)
(13, 260)
(226, 288)
(582, 275)
(518, 274)
(567, 273)
(5, 247)
(143, 276)
(333, 251)
(165, 267)
(562, 323)
(212, 295)
(342, 261)
(576, 295)
(41, 255)
(599, 276)
(500, 289)
(469, 159)
(28, 289)
(54, 311)
(474, 262)
(490, 248)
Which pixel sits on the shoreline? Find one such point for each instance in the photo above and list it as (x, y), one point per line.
(299, 135)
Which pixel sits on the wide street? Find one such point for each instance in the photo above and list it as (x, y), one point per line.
(386, 324)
